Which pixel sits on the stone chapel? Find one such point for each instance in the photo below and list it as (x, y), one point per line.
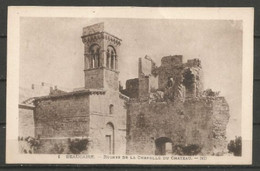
(165, 110)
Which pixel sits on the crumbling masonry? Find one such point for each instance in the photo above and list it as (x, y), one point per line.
(163, 111)
(174, 111)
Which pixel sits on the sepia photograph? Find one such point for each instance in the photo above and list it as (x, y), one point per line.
(129, 85)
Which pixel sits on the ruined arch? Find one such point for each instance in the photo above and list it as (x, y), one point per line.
(163, 146)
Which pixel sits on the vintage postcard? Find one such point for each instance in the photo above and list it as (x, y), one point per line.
(129, 85)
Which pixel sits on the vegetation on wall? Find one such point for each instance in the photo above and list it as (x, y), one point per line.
(188, 150)
(235, 146)
(76, 146)
(29, 144)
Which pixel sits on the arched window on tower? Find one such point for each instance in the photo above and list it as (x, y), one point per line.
(94, 56)
(111, 57)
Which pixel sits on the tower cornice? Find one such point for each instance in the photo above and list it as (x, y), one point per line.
(88, 39)
(116, 71)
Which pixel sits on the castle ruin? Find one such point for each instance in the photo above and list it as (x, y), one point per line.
(163, 111)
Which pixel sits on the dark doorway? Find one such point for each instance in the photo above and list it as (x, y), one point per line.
(163, 146)
(110, 138)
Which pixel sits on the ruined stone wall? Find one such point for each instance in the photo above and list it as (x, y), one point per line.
(100, 116)
(62, 117)
(145, 67)
(193, 77)
(153, 83)
(141, 87)
(132, 88)
(144, 88)
(220, 119)
(147, 122)
(171, 67)
(169, 61)
(147, 84)
(194, 122)
(175, 75)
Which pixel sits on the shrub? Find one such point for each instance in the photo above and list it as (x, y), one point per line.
(189, 150)
(57, 149)
(29, 144)
(235, 146)
(76, 146)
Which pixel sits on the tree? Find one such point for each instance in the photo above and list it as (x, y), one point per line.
(235, 146)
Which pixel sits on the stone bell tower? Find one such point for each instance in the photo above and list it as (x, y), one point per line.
(101, 56)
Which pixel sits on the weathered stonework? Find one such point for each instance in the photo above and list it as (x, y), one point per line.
(100, 118)
(197, 121)
(26, 107)
(62, 117)
(132, 88)
(81, 115)
(96, 113)
(179, 112)
(102, 54)
(163, 111)
(26, 122)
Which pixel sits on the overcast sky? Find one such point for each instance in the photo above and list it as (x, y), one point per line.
(51, 50)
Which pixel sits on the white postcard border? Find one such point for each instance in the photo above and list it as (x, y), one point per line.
(14, 15)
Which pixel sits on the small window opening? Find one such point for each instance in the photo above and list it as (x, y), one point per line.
(111, 109)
